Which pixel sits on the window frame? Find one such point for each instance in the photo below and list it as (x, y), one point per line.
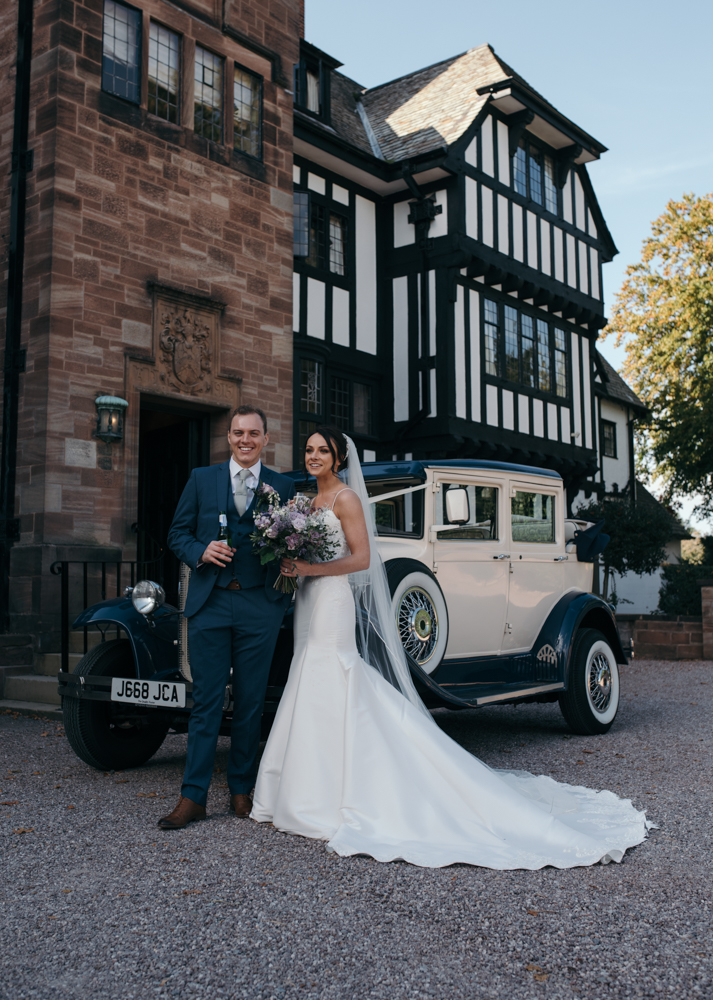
(223, 62)
(260, 82)
(139, 50)
(535, 488)
(180, 67)
(608, 423)
(445, 533)
(525, 146)
(321, 265)
(504, 338)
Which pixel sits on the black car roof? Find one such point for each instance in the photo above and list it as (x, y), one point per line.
(417, 470)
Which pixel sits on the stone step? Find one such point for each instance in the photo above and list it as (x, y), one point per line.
(34, 709)
(15, 650)
(50, 664)
(33, 688)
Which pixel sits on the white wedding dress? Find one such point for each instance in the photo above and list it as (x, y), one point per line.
(353, 762)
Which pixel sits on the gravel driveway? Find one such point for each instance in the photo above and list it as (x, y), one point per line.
(98, 903)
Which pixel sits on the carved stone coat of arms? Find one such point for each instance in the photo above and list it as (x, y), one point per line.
(185, 341)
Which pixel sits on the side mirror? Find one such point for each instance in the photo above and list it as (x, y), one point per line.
(458, 506)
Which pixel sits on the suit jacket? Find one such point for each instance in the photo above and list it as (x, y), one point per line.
(195, 525)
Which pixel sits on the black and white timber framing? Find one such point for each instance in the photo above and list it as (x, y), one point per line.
(447, 277)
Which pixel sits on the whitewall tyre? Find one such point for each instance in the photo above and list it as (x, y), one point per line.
(420, 611)
(591, 700)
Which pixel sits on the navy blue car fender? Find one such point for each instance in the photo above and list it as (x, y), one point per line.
(552, 652)
(152, 639)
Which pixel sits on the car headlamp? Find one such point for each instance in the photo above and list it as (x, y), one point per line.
(147, 596)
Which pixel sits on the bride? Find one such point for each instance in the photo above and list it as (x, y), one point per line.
(354, 757)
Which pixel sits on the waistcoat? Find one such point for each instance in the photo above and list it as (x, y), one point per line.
(245, 567)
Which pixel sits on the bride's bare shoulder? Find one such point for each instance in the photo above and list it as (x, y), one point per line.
(347, 502)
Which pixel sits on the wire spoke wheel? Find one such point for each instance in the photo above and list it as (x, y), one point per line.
(600, 682)
(417, 620)
(591, 700)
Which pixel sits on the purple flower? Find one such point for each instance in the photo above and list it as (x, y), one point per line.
(292, 541)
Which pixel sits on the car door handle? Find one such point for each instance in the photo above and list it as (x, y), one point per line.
(503, 555)
(561, 558)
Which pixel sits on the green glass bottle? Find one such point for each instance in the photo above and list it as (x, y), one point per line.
(223, 530)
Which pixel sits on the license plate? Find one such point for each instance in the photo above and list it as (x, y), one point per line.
(159, 694)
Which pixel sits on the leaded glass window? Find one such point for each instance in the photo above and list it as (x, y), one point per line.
(535, 176)
(519, 171)
(527, 351)
(362, 409)
(544, 378)
(339, 403)
(121, 51)
(491, 337)
(300, 243)
(512, 365)
(164, 49)
(311, 377)
(560, 363)
(337, 243)
(247, 112)
(550, 186)
(316, 236)
(208, 99)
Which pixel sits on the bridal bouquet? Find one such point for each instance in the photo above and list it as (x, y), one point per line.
(292, 530)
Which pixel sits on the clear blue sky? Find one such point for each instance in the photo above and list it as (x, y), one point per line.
(636, 75)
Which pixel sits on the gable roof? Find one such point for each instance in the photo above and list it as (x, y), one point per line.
(612, 385)
(646, 499)
(434, 106)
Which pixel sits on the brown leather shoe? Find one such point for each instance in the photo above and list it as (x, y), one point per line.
(185, 812)
(241, 805)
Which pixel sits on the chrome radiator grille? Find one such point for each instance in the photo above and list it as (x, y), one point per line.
(184, 664)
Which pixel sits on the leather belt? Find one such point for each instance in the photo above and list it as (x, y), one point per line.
(233, 585)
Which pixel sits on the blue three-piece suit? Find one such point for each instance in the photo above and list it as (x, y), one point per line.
(226, 628)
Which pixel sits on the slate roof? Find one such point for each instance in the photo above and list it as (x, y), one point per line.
(614, 387)
(434, 106)
(421, 111)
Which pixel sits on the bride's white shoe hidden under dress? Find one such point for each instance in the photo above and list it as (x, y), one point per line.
(352, 762)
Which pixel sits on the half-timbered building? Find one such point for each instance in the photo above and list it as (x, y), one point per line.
(447, 265)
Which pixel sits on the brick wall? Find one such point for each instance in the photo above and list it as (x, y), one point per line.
(667, 637)
(118, 200)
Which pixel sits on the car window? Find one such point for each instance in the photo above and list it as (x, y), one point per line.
(532, 517)
(483, 523)
(400, 515)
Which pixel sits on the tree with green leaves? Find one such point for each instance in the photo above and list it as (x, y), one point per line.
(638, 535)
(664, 313)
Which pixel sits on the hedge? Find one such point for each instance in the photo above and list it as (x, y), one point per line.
(680, 593)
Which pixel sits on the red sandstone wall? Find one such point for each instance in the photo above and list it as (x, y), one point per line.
(8, 52)
(113, 205)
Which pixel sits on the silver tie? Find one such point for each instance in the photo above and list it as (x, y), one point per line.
(241, 491)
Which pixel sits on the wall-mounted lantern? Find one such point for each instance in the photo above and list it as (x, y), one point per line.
(110, 418)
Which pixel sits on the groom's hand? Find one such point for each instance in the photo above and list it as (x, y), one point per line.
(218, 553)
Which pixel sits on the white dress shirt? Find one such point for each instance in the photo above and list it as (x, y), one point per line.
(251, 483)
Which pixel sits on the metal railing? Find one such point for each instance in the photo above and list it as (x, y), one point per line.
(113, 575)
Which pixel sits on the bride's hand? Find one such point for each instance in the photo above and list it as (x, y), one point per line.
(295, 567)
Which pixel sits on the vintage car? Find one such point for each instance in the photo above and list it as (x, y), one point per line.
(490, 585)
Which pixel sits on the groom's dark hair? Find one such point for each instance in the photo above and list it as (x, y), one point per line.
(244, 411)
(337, 444)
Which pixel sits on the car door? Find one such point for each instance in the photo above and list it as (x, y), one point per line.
(471, 566)
(536, 549)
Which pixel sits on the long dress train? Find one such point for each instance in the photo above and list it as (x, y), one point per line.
(352, 762)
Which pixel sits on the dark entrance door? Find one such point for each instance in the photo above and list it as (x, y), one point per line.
(172, 443)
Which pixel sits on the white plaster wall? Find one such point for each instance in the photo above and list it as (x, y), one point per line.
(365, 219)
(616, 470)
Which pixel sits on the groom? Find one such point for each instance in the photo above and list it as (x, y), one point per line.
(233, 612)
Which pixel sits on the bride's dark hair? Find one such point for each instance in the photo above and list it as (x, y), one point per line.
(337, 444)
